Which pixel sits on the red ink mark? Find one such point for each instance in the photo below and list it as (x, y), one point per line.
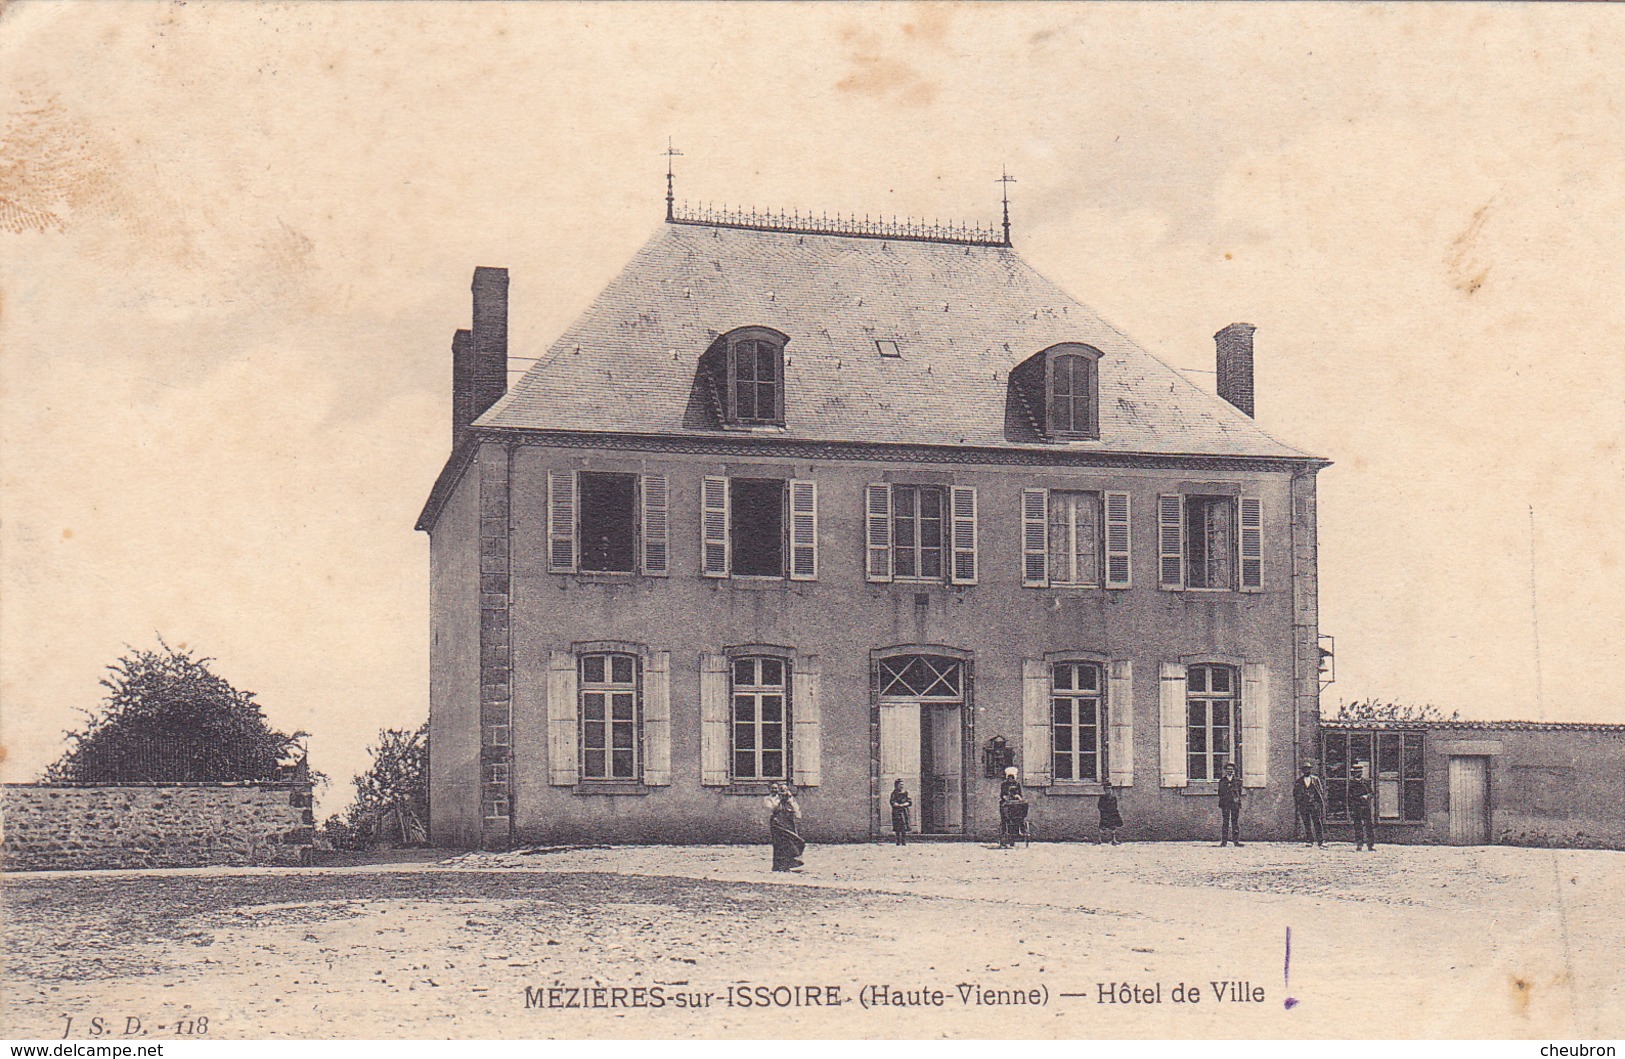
(1286, 972)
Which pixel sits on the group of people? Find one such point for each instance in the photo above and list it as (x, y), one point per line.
(1308, 799)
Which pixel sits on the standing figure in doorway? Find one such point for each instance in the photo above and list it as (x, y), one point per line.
(1309, 799)
(1012, 809)
(1111, 819)
(1361, 809)
(901, 803)
(1229, 807)
(784, 824)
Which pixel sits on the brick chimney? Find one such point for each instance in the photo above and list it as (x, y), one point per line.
(1235, 351)
(490, 339)
(479, 357)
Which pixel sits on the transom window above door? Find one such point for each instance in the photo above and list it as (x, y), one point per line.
(922, 677)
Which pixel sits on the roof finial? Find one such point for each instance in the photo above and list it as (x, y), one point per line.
(1006, 179)
(670, 152)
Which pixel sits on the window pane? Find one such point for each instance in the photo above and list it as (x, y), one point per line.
(773, 764)
(1220, 678)
(1198, 713)
(1336, 753)
(1086, 739)
(1089, 678)
(745, 672)
(1198, 740)
(1196, 679)
(1063, 766)
(608, 521)
(1414, 808)
(767, 400)
(1086, 712)
(592, 735)
(767, 367)
(772, 672)
(1388, 753)
(1063, 739)
(623, 764)
(592, 706)
(772, 708)
(745, 766)
(745, 361)
(1413, 755)
(1197, 768)
(744, 708)
(592, 669)
(931, 562)
(772, 737)
(1062, 710)
(745, 400)
(594, 764)
(744, 737)
(622, 734)
(623, 707)
(757, 526)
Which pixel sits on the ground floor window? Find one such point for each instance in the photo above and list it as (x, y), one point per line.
(761, 721)
(609, 716)
(1076, 720)
(1393, 765)
(1213, 721)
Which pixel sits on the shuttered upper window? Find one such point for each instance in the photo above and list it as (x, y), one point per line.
(759, 527)
(1075, 539)
(1210, 542)
(607, 523)
(920, 533)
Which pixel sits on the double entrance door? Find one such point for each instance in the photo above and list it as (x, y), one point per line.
(923, 740)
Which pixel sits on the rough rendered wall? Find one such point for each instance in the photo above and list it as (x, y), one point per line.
(156, 826)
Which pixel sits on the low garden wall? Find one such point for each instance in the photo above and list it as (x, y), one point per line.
(155, 825)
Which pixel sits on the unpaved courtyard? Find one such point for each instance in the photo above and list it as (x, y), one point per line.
(698, 941)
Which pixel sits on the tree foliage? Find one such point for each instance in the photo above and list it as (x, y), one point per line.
(391, 804)
(168, 718)
(1376, 710)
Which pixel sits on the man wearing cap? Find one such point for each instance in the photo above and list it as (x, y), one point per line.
(1360, 809)
(1309, 799)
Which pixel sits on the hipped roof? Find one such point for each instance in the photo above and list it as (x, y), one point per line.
(962, 316)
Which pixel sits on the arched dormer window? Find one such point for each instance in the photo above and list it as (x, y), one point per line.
(755, 377)
(1072, 391)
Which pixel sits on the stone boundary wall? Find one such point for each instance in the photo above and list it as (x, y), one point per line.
(155, 825)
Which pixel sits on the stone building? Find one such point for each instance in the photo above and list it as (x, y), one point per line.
(842, 505)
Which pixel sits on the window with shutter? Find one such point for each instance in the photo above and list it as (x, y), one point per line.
(610, 721)
(963, 539)
(714, 526)
(1034, 544)
(1120, 699)
(1074, 539)
(656, 524)
(1252, 544)
(803, 530)
(1119, 569)
(606, 522)
(715, 743)
(807, 737)
(1035, 728)
(1171, 717)
(561, 521)
(760, 722)
(756, 527)
(562, 706)
(877, 511)
(1171, 541)
(657, 720)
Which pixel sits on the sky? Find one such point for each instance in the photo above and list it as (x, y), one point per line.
(235, 241)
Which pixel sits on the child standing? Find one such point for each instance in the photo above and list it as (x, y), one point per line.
(901, 803)
(1110, 818)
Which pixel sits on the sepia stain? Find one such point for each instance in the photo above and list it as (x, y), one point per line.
(1466, 273)
(4, 753)
(877, 72)
(49, 169)
(1522, 991)
(67, 534)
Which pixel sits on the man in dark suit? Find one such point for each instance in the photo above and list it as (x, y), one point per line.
(1362, 809)
(1229, 807)
(1309, 799)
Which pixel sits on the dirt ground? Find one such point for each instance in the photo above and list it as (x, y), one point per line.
(1405, 942)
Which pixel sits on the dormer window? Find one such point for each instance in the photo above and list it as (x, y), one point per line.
(755, 384)
(1072, 391)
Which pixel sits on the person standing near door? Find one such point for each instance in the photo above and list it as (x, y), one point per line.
(1309, 798)
(1229, 807)
(784, 827)
(1111, 818)
(1361, 809)
(1012, 809)
(901, 803)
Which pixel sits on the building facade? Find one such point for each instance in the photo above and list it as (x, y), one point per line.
(843, 508)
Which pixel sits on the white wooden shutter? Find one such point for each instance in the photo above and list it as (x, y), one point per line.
(715, 746)
(657, 720)
(656, 526)
(561, 521)
(1035, 538)
(807, 739)
(1120, 715)
(1252, 544)
(1171, 694)
(562, 740)
(1171, 542)
(1255, 724)
(714, 557)
(803, 530)
(963, 512)
(1119, 568)
(877, 511)
(1035, 723)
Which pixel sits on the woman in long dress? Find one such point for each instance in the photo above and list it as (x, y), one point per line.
(784, 824)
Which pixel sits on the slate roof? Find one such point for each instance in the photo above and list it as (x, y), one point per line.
(962, 315)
